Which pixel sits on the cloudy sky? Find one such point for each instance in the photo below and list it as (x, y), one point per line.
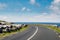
(30, 10)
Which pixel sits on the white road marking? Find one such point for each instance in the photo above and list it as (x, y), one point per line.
(33, 34)
(48, 28)
(57, 33)
(59, 36)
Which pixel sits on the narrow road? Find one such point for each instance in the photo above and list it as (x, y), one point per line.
(45, 34)
(34, 33)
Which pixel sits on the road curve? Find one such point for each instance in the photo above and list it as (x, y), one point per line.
(36, 33)
(45, 34)
(22, 35)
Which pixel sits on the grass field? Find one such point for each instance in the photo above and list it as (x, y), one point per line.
(54, 28)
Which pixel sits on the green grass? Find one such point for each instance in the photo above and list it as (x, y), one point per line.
(48, 26)
(9, 34)
(54, 28)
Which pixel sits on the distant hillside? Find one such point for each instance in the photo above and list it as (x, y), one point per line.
(7, 23)
(2, 21)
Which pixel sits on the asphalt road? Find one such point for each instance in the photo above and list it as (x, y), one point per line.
(34, 33)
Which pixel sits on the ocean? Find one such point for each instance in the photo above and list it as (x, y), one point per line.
(58, 24)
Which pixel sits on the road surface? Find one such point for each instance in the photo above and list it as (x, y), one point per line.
(34, 33)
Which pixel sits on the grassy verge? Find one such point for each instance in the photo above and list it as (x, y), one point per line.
(54, 28)
(9, 34)
(49, 26)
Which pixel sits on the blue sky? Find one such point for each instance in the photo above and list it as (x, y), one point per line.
(30, 10)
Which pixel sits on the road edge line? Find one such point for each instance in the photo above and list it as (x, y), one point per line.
(33, 34)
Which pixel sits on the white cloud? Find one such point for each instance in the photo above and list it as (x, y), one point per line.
(28, 9)
(55, 7)
(3, 5)
(55, 11)
(37, 4)
(25, 9)
(56, 1)
(44, 17)
(32, 2)
(3, 17)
